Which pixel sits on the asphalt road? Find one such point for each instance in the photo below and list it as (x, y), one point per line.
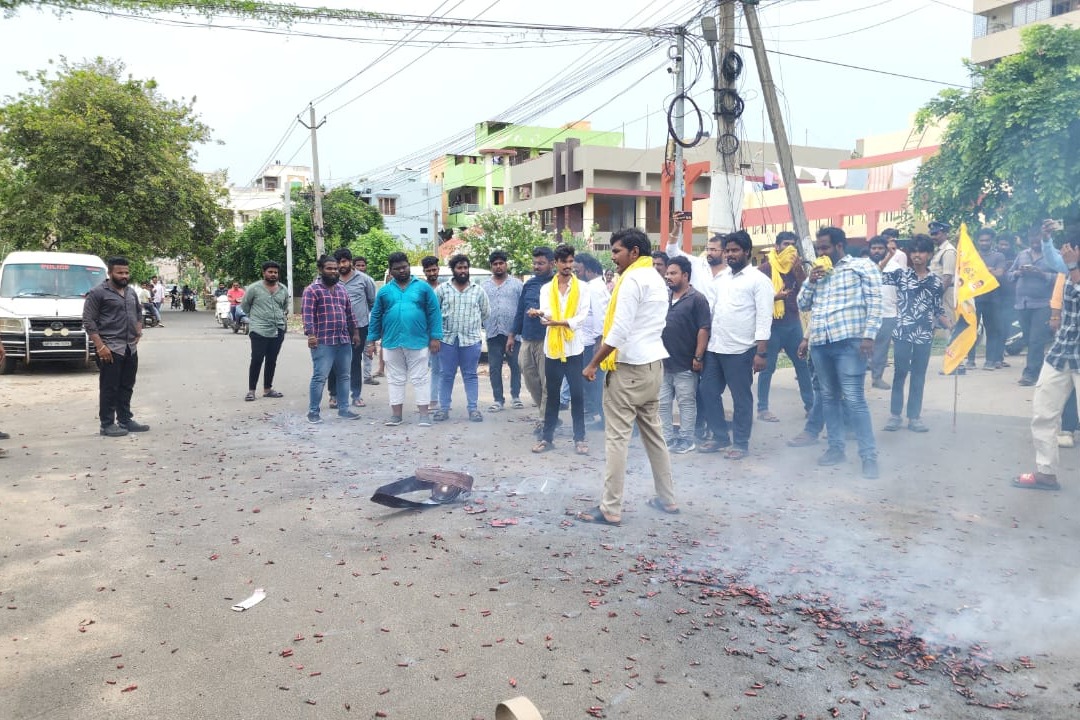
(783, 590)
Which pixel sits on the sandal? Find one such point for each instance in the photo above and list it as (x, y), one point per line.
(333, 403)
(1036, 481)
(735, 454)
(517, 404)
(766, 416)
(597, 516)
(656, 504)
(543, 446)
(581, 447)
(359, 402)
(249, 397)
(271, 393)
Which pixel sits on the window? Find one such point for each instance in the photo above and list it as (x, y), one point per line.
(270, 183)
(423, 231)
(1031, 11)
(388, 205)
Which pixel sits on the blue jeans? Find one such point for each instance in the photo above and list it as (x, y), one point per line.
(841, 371)
(324, 358)
(355, 371)
(497, 355)
(594, 391)
(786, 337)
(453, 357)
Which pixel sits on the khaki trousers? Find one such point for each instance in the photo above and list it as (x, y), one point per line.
(531, 360)
(1051, 393)
(632, 392)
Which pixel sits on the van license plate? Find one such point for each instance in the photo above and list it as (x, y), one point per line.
(56, 343)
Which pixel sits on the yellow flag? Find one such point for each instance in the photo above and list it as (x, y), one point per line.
(972, 279)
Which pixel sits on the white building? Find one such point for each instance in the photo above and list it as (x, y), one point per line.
(248, 202)
(409, 206)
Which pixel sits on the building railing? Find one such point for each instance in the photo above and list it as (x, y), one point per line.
(465, 209)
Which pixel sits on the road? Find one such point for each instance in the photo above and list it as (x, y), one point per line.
(782, 590)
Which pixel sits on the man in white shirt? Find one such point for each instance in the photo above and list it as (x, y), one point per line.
(742, 308)
(883, 253)
(589, 270)
(632, 352)
(702, 271)
(564, 308)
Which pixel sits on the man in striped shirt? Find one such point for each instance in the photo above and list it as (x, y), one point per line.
(465, 310)
(844, 302)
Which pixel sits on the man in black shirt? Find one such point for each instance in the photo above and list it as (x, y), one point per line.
(113, 321)
(685, 337)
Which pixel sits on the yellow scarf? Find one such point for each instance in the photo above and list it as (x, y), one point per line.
(780, 263)
(642, 263)
(559, 337)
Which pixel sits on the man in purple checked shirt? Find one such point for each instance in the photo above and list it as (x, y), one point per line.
(331, 334)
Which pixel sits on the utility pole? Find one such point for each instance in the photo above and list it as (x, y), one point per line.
(680, 127)
(288, 245)
(728, 161)
(435, 233)
(726, 187)
(320, 231)
(780, 138)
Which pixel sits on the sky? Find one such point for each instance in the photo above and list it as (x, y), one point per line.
(249, 85)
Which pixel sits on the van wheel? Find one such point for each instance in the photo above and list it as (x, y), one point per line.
(7, 367)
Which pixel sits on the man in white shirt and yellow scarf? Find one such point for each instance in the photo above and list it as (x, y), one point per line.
(564, 307)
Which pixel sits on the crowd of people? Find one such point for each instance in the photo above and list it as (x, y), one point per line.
(669, 331)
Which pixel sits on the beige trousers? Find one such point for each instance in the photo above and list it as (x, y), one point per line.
(531, 361)
(632, 392)
(1051, 393)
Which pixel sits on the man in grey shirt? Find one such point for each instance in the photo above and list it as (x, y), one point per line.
(503, 291)
(113, 322)
(361, 290)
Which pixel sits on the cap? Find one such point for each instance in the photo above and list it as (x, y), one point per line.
(936, 226)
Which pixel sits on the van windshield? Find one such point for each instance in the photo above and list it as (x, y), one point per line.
(49, 280)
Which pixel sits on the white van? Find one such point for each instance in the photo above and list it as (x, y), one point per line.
(41, 305)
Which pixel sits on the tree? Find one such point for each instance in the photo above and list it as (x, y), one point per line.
(376, 246)
(514, 233)
(1011, 152)
(96, 162)
(346, 217)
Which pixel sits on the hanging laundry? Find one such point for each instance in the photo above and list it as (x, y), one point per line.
(857, 179)
(904, 172)
(880, 178)
(837, 178)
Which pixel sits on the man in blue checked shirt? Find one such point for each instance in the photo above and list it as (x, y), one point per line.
(465, 310)
(331, 333)
(844, 302)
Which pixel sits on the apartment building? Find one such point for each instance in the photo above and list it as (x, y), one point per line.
(478, 180)
(247, 203)
(997, 24)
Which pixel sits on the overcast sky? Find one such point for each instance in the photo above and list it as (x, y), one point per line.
(250, 85)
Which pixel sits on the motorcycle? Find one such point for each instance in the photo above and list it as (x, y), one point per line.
(241, 324)
(187, 299)
(148, 317)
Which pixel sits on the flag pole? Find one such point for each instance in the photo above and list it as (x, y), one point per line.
(955, 395)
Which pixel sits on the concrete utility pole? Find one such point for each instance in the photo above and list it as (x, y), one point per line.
(680, 127)
(780, 138)
(726, 187)
(435, 233)
(288, 245)
(320, 231)
(729, 162)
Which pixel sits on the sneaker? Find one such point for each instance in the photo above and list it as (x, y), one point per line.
(440, 415)
(917, 425)
(971, 364)
(684, 446)
(831, 457)
(672, 444)
(517, 404)
(894, 424)
(348, 415)
(393, 421)
(990, 366)
(314, 418)
(113, 430)
(1066, 440)
(371, 381)
(132, 426)
(422, 420)
(1025, 382)
(476, 416)
(803, 439)
(880, 384)
(870, 468)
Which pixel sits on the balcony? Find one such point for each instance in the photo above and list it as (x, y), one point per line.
(464, 209)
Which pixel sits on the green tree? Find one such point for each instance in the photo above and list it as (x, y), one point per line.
(514, 233)
(1011, 151)
(376, 246)
(97, 162)
(346, 217)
